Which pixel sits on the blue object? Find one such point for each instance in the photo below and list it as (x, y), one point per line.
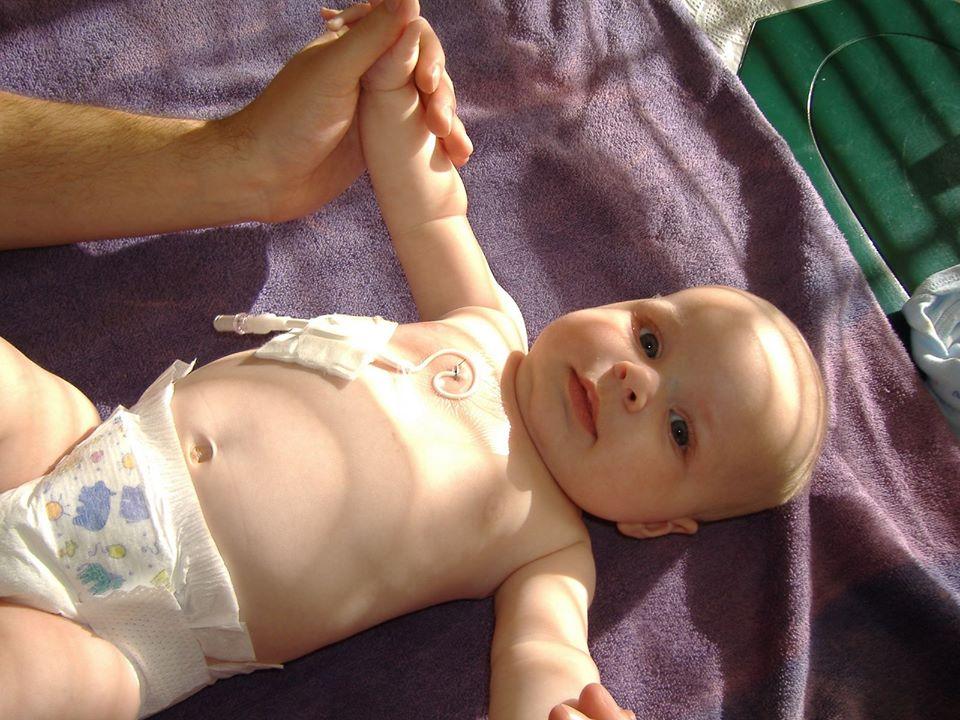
(95, 506)
(934, 316)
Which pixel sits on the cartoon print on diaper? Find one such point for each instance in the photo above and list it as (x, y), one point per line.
(102, 530)
(117, 551)
(133, 504)
(68, 550)
(98, 578)
(134, 508)
(162, 581)
(55, 508)
(94, 509)
(76, 460)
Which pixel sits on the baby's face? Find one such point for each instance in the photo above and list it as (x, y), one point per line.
(662, 410)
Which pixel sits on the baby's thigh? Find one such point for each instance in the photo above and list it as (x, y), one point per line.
(51, 667)
(42, 416)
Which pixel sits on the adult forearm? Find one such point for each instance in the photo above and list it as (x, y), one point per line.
(74, 172)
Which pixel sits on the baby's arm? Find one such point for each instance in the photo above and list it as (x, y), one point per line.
(540, 656)
(420, 194)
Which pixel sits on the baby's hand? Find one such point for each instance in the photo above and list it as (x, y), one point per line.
(395, 67)
(595, 703)
(436, 89)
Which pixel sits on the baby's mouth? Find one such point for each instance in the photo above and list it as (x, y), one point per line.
(583, 403)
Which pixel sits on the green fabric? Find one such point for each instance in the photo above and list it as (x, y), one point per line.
(867, 95)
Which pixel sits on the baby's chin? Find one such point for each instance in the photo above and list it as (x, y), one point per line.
(524, 382)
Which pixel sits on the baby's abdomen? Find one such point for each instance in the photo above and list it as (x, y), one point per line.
(287, 468)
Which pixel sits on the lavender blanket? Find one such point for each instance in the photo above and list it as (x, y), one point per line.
(615, 158)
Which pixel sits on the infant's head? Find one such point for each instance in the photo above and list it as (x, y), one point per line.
(659, 414)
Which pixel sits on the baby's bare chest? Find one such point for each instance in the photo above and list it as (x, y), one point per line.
(353, 503)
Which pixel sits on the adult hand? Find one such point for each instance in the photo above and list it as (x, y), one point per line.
(299, 137)
(595, 703)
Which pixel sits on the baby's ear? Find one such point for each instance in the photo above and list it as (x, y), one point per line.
(643, 531)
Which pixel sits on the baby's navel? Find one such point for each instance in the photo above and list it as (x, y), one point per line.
(202, 451)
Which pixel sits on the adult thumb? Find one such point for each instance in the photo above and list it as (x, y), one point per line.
(351, 55)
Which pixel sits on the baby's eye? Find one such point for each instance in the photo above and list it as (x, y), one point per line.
(679, 430)
(649, 342)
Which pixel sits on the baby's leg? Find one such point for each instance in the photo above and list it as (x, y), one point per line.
(50, 667)
(42, 416)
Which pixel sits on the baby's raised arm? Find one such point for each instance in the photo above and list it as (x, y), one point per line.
(540, 657)
(420, 194)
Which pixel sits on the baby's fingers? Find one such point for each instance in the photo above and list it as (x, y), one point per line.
(336, 19)
(597, 703)
(565, 712)
(442, 121)
(436, 88)
(432, 62)
(441, 106)
(458, 144)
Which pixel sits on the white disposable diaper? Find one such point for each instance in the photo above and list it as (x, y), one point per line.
(934, 316)
(114, 538)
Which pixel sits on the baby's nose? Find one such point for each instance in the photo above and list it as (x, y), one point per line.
(638, 383)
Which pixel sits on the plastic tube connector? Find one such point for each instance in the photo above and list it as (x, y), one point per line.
(243, 324)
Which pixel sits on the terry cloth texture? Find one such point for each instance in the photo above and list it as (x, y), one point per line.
(615, 158)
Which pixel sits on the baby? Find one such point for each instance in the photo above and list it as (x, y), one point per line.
(351, 470)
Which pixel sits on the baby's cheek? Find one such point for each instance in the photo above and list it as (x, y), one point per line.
(614, 471)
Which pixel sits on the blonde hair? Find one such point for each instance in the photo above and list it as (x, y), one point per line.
(789, 471)
(796, 476)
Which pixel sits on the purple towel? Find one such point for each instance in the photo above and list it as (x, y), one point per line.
(615, 158)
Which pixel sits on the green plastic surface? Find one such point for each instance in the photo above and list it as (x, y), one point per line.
(867, 95)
